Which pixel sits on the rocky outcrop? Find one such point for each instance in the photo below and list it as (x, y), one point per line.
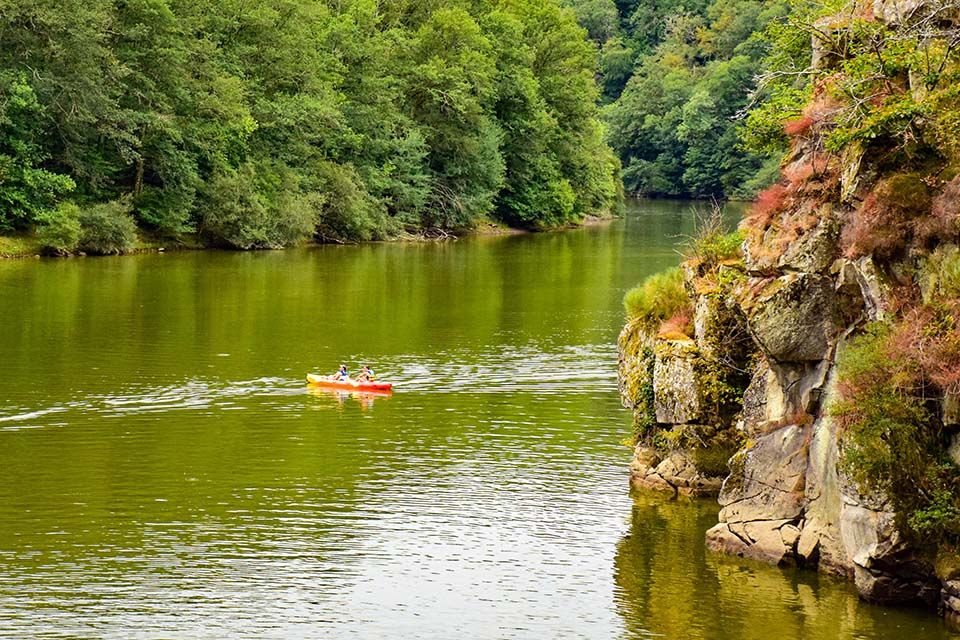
(843, 241)
(683, 388)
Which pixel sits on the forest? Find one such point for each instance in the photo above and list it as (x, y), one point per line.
(679, 80)
(261, 124)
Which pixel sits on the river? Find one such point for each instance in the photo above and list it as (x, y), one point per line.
(167, 474)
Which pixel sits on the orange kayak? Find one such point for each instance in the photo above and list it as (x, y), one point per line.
(348, 385)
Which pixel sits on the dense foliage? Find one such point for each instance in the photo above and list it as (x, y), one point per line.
(260, 123)
(891, 424)
(678, 78)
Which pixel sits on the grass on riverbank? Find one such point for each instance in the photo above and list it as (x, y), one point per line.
(27, 245)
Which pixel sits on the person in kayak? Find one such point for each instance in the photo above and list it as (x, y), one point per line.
(365, 375)
(342, 375)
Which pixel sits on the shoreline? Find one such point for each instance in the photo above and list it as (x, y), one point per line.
(23, 247)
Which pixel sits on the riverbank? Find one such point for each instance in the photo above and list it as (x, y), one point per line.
(27, 245)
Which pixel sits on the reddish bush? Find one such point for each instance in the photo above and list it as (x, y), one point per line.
(868, 231)
(798, 173)
(928, 337)
(768, 204)
(943, 223)
(888, 219)
(679, 325)
(822, 108)
(799, 127)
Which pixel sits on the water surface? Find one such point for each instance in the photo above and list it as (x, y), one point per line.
(166, 473)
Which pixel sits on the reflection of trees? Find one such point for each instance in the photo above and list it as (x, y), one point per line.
(669, 585)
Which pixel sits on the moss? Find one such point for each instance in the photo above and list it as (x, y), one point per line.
(947, 563)
(713, 461)
(907, 192)
(644, 414)
(940, 275)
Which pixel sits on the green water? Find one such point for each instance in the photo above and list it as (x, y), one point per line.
(167, 474)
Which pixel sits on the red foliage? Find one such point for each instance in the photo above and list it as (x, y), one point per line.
(943, 223)
(895, 212)
(870, 231)
(798, 173)
(680, 323)
(799, 127)
(768, 204)
(823, 107)
(927, 339)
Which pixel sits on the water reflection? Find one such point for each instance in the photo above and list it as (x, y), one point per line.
(669, 585)
(364, 399)
(167, 473)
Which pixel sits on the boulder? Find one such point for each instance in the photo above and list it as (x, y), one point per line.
(886, 569)
(767, 480)
(763, 499)
(950, 600)
(707, 322)
(770, 541)
(951, 411)
(675, 473)
(897, 12)
(795, 318)
(820, 541)
(756, 400)
(676, 392)
(953, 450)
(866, 283)
(815, 250)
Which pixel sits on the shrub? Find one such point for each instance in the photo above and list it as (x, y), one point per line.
(710, 245)
(768, 204)
(888, 218)
(59, 230)
(680, 325)
(258, 206)
(107, 228)
(943, 223)
(798, 127)
(798, 173)
(890, 437)
(348, 212)
(661, 296)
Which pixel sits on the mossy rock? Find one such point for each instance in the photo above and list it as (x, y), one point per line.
(635, 362)
(676, 385)
(794, 318)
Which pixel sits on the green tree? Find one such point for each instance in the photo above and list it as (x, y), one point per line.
(27, 189)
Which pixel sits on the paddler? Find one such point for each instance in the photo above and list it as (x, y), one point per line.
(366, 374)
(342, 375)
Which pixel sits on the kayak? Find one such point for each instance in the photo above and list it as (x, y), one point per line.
(349, 385)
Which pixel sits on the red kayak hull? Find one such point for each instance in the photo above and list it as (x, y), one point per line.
(323, 381)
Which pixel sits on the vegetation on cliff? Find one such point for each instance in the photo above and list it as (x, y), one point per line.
(851, 256)
(873, 167)
(684, 362)
(260, 124)
(892, 383)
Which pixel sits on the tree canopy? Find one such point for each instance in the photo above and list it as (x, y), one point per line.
(260, 123)
(677, 78)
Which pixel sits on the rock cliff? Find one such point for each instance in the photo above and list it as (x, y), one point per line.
(848, 241)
